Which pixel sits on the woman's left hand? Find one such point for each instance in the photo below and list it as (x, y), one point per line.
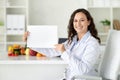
(60, 47)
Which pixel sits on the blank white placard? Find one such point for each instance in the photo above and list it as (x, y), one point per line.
(42, 36)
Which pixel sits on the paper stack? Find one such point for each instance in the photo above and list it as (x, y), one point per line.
(15, 24)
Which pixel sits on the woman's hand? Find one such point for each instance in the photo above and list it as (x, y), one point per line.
(60, 47)
(25, 36)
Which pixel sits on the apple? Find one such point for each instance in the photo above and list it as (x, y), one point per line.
(10, 53)
(32, 52)
(27, 51)
(10, 49)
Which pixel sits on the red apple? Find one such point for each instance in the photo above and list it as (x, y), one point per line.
(32, 52)
(10, 54)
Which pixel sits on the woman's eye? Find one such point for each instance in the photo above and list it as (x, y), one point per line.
(82, 20)
(79, 20)
(75, 20)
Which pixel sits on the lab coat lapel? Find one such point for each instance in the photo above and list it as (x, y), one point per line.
(79, 49)
(81, 44)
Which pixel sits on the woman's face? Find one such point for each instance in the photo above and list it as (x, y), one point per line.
(80, 23)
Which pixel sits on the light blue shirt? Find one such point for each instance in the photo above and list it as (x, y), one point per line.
(81, 55)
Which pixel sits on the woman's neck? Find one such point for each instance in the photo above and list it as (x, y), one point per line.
(79, 36)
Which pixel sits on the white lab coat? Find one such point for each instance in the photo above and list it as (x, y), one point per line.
(81, 55)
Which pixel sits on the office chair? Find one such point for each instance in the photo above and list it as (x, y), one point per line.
(62, 40)
(109, 65)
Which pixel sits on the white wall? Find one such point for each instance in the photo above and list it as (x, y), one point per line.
(53, 12)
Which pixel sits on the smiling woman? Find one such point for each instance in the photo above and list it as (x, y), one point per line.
(80, 24)
(81, 49)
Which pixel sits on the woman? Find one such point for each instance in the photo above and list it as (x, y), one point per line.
(81, 50)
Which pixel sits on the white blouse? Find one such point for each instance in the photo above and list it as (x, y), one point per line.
(81, 55)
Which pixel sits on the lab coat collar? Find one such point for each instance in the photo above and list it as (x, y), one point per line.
(83, 39)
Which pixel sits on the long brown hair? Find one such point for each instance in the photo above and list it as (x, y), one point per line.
(91, 27)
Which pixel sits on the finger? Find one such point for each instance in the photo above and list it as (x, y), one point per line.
(55, 45)
(28, 33)
(25, 36)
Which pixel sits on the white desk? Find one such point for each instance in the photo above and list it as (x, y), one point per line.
(31, 68)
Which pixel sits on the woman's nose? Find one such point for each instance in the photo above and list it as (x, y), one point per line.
(78, 23)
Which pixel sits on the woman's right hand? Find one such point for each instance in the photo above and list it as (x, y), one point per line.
(25, 36)
(60, 47)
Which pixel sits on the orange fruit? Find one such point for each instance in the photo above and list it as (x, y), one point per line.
(22, 51)
(16, 46)
(40, 55)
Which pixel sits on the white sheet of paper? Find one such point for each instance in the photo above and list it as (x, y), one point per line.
(42, 36)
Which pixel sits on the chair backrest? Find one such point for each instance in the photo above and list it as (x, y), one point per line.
(62, 40)
(110, 63)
